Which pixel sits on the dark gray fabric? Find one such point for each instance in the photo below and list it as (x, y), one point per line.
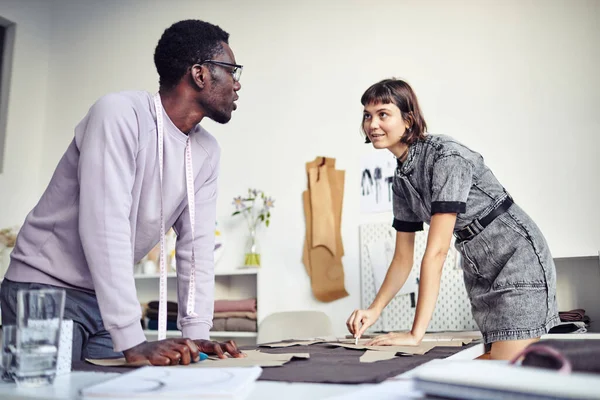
(90, 339)
(326, 365)
(341, 365)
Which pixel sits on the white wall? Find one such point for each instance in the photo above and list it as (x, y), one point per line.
(517, 81)
(20, 185)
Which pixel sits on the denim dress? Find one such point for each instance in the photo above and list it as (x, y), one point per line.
(508, 270)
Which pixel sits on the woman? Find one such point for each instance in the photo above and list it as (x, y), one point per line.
(508, 269)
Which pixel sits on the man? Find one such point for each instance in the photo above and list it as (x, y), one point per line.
(102, 209)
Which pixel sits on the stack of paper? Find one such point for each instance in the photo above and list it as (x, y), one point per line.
(484, 379)
(169, 382)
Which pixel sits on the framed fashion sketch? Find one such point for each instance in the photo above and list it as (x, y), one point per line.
(377, 173)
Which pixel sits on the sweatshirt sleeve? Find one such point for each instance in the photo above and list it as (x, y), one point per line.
(206, 201)
(108, 146)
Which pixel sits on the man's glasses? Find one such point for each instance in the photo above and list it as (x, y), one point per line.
(236, 69)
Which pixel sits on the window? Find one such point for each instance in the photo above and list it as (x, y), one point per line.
(7, 39)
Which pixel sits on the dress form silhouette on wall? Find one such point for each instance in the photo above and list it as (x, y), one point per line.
(378, 176)
(366, 182)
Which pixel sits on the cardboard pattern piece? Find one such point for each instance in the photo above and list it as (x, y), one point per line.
(299, 342)
(371, 356)
(423, 348)
(253, 358)
(323, 248)
(290, 344)
(465, 336)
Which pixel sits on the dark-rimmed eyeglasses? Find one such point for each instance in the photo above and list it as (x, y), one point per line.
(236, 69)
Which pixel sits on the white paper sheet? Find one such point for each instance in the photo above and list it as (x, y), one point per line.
(388, 390)
(169, 382)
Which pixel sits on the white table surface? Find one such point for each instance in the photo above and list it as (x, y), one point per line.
(68, 386)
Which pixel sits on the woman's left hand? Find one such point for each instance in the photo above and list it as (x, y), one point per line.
(395, 339)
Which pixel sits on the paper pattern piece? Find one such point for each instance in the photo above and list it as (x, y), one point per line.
(253, 358)
(323, 248)
(293, 343)
(117, 362)
(465, 337)
(423, 348)
(167, 382)
(371, 356)
(300, 342)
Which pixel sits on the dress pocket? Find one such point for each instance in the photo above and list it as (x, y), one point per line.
(468, 264)
(520, 266)
(504, 255)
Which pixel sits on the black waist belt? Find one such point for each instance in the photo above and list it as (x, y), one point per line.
(469, 231)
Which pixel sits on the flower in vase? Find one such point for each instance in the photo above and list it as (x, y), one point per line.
(269, 203)
(256, 209)
(238, 203)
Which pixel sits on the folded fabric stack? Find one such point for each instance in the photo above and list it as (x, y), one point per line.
(574, 315)
(574, 321)
(152, 315)
(229, 315)
(235, 315)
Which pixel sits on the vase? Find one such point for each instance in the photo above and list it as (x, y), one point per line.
(252, 254)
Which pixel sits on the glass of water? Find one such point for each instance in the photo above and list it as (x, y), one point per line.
(39, 315)
(9, 343)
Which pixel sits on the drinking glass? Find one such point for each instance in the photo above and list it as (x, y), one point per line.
(39, 313)
(9, 343)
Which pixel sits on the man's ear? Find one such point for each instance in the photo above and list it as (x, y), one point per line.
(199, 75)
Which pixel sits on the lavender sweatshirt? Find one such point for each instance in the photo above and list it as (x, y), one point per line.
(101, 213)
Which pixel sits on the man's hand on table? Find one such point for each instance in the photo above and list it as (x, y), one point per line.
(164, 352)
(219, 349)
(180, 351)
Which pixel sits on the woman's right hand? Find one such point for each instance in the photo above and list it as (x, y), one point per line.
(361, 320)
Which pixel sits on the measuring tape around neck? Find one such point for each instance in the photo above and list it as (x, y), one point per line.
(189, 178)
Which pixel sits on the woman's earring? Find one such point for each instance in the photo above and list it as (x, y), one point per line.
(367, 140)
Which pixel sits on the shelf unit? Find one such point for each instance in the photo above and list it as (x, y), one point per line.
(239, 271)
(213, 334)
(230, 284)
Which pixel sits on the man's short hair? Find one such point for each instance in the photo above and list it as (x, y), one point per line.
(184, 44)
